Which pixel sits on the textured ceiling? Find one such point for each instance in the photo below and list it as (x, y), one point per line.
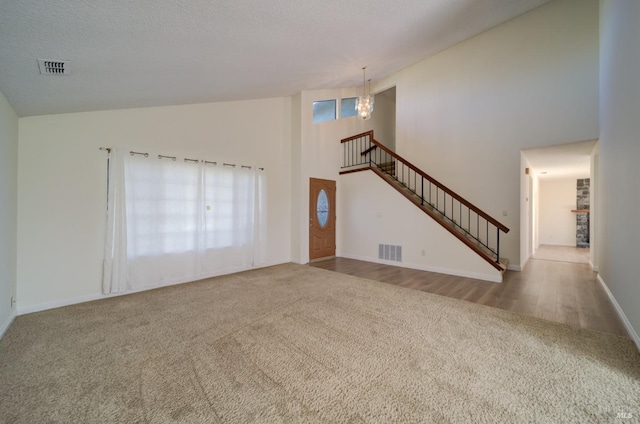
(127, 53)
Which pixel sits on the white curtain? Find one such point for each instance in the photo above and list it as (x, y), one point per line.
(115, 252)
(172, 221)
(229, 218)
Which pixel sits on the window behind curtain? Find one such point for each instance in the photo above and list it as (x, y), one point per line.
(163, 205)
(228, 216)
(173, 221)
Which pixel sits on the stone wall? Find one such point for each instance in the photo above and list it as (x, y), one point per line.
(582, 223)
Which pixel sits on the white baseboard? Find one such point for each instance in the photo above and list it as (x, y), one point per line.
(623, 317)
(520, 266)
(39, 307)
(557, 244)
(594, 268)
(497, 278)
(7, 323)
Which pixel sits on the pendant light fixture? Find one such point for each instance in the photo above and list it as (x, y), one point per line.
(364, 106)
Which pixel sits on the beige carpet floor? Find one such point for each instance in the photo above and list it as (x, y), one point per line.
(298, 344)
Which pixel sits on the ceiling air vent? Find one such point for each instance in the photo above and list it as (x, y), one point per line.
(54, 67)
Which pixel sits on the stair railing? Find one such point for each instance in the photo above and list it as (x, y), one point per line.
(362, 151)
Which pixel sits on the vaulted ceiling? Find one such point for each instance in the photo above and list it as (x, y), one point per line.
(127, 53)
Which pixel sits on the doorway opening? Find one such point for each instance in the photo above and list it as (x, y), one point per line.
(557, 206)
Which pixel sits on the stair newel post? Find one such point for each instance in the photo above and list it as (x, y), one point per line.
(422, 191)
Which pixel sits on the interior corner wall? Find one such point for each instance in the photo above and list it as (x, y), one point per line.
(557, 222)
(526, 217)
(383, 119)
(593, 201)
(617, 231)
(62, 182)
(296, 176)
(8, 210)
(464, 115)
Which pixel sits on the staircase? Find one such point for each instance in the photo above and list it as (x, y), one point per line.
(475, 228)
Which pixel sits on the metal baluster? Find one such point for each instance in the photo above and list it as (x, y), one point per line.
(497, 245)
(415, 179)
(444, 200)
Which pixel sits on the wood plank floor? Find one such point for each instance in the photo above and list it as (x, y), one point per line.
(557, 291)
(562, 254)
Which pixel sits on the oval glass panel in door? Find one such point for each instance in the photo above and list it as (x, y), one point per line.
(322, 208)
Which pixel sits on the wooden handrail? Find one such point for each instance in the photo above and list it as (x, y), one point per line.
(368, 150)
(441, 186)
(353, 137)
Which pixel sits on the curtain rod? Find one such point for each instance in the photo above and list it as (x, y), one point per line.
(146, 155)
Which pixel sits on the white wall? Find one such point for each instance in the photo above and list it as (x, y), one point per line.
(536, 214)
(557, 224)
(529, 211)
(593, 202)
(526, 217)
(374, 213)
(62, 182)
(8, 210)
(464, 115)
(617, 229)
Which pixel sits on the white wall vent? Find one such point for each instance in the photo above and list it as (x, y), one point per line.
(54, 67)
(390, 252)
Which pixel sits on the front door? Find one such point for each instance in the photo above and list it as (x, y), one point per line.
(322, 218)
